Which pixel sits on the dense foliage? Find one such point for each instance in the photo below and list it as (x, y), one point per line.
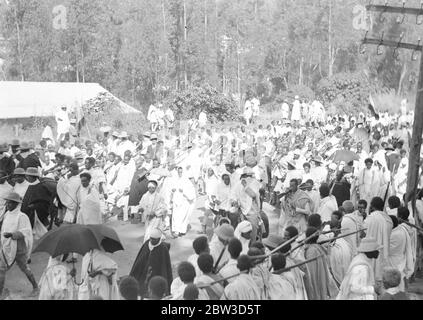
(345, 91)
(139, 49)
(189, 103)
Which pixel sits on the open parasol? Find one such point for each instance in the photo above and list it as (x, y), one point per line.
(76, 238)
(345, 156)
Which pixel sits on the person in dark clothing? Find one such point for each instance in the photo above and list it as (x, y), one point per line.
(341, 189)
(137, 189)
(27, 158)
(37, 198)
(6, 163)
(153, 259)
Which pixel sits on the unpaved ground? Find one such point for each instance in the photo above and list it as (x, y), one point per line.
(131, 236)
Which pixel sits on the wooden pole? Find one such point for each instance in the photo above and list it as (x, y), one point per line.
(415, 146)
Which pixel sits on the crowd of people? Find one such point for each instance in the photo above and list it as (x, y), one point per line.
(338, 184)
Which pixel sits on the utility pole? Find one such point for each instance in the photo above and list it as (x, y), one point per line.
(416, 142)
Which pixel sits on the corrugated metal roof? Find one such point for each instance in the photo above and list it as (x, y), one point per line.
(44, 99)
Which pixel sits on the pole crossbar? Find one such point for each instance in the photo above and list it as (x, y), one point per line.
(391, 9)
(394, 44)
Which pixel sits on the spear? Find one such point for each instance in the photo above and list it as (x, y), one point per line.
(297, 265)
(411, 225)
(276, 249)
(302, 242)
(202, 286)
(341, 236)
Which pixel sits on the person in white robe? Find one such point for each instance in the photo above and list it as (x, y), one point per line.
(230, 268)
(63, 123)
(99, 274)
(5, 189)
(359, 282)
(152, 205)
(67, 190)
(219, 245)
(243, 287)
(296, 111)
(16, 242)
(400, 179)
(57, 281)
(379, 226)
(400, 251)
(88, 198)
(280, 285)
(186, 276)
(369, 181)
(182, 202)
(243, 233)
(327, 203)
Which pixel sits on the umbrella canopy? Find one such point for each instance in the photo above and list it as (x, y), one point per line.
(76, 238)
(345, 155)
(107, 237)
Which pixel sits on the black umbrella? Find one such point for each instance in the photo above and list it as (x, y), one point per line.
(76, 238)
(107, 237)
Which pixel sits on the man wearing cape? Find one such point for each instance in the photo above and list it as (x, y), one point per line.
(152, 260)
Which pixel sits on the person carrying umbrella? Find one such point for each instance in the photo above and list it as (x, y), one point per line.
(99, 274)
(16, 243)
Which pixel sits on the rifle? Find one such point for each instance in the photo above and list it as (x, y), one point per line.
(276, 249)
(296, 265)
(202, 286)
(341, 236)
(411, 225)
(215, 270)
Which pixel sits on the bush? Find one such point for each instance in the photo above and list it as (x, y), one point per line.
(303, 92)
(188, 104)
(345, 91)
(105, 109)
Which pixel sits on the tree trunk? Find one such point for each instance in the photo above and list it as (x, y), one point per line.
(330, 71)
(402, 77)
(164, 33)
(300, 78)
(18, 36)
(185, 46)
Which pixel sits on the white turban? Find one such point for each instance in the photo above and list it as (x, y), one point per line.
(243, 227)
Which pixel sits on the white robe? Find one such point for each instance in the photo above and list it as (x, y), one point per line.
(99, 285)
(242, 288)
(153, 203)
(15, 221)
(280, 288)
(400, 253)
(183, 203)
(56, 282)
(340, 257)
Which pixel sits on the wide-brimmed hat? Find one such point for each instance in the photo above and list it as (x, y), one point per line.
(273, 241)
(32, 172)
(248, 171)
(292, 164)
(13, 196)
(78, 155)
(318, 159)
(15, 143)
(369, 244)
(389, 148)
(4, 147)
(153, 136)
(225, 231)
(105, 129)
(123, 134)
(19, 172)
(147, 134)
(115, 134)
(24, 146)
